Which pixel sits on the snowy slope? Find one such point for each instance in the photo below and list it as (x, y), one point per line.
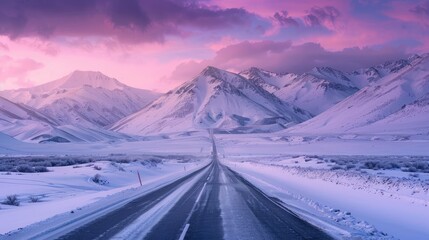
(366, 76)
(27, 124)
(23, 122)
(395, 94)
(84, 99)
(215, 99)
(9, 144)
(314, 91)
(412, 118)
(269, 81)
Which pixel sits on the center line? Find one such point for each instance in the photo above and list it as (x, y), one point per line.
(182, 236)
(199, 195)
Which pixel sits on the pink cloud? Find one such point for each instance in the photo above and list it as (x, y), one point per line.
(417, 13)
(13, 72)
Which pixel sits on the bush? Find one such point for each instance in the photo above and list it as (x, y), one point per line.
(12, 200)
(98, 168)
(25, 169)
(350, 166)
(34, 199)
(41, 169)
(371, 165)
(98, 179)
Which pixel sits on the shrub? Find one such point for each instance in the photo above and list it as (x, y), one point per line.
(25, 169)
(98, 179)
(350, 166)
(34, 199)
(12, 200)
(370, 165)
(96, 167)
(41, 169)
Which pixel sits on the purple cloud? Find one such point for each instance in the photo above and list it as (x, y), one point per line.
(421, 9)
(284, 57)
(285, 20)
(319, 15)
(134, 20)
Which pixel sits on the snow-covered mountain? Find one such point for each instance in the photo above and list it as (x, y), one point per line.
(324, 86)
(269, 81)
(27, 124)
(367, 76)
(23, 122)
(396, 102)
(214, 99)
(412, 118)
(83, 98)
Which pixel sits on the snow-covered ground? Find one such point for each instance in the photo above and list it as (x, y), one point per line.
(346, 144)
(372, 204)
(198, 144)
(369, 186)
(65, 189)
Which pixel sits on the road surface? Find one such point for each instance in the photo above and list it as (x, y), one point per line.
(223, 205)
(217, 204)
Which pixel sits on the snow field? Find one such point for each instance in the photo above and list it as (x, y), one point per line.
(361, 206)
(67, 190)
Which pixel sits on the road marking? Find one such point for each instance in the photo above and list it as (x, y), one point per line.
(182, 236)
(199, 195)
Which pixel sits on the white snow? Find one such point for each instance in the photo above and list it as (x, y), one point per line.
(70, 188)
(359, 204)
(83, 98)
(374, 103)
(214, 99)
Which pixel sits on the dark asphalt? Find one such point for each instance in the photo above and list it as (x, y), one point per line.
(247, 213)
(253, 215)
(112, 223)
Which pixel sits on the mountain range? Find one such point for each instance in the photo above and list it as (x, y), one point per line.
(214, 99)
(77, 107)
(395, 103)
(89, 106)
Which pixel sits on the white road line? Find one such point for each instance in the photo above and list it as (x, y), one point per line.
(199, 195)
(182, 236)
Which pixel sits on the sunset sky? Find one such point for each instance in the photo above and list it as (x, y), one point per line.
(157, 44)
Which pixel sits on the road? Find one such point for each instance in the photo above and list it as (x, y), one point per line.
(224, 205)
(220, 204)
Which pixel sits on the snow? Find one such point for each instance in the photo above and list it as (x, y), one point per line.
(358, 204)
(214, 99)
(83, 98)
(374, 103)
(317, 167)
(326, 86)
(385, 145)
(66, 189)
(140, 227)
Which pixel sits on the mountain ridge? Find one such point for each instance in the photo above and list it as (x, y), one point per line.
(86, 98)
(214, 99)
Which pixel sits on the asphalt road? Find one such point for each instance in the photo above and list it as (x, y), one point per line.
(247, 213)
(220, 205)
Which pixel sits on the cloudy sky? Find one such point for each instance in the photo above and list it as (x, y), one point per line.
(157, 44)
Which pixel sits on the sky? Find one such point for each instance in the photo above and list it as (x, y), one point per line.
(158, 44)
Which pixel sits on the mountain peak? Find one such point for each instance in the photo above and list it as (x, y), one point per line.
(93, 79)
(254, 71)
(211, 71)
